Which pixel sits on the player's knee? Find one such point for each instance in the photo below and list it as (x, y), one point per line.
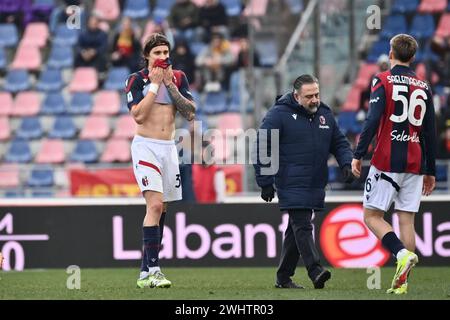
(155, 207)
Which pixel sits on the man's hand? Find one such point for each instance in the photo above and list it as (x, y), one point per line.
(168, 75)
(429, 182)
(348, 174)
(356, 167)
(156, 75)
(268, 193)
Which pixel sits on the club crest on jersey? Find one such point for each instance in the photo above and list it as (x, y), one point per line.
(323, 123)
(145, 181)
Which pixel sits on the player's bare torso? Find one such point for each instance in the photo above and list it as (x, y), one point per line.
(160, 122)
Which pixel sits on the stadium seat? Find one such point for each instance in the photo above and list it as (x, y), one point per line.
(422, 26)
(441, 172)
(84, 151)
(393, 25)
(106, 103)
(27, 57)
(81, 103)
(95, 127)
(50, 80)
(63, 128)
(295, 6)
(9, 176)
(65, 36)
(230, 124)
(116, 150)
(36, 34)
(3, 61)
(107, 9)
(17, 80)
(353, 99)
(256, 8)
(51, 151)
(41, 177)
(125, 127)
(432, 6)
(5, 130)
(40, 10)
(85, 79)
(26, 104)
(61, 56)
(378, 48)
(19, 151)
(137, 9)
(148, 30)
(9, 36)
(443, 28)
(268, 52)
(30, 128)
(215, 102)
(42, 193)
(348, 123)
(333, 173)
(424, 54)
(404, 6)
(53, 103)
(116, 78)
(365, 73)
(233, 8)
(162, 9)
(6, 103)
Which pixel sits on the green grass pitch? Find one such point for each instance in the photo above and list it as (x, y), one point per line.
(217, 283)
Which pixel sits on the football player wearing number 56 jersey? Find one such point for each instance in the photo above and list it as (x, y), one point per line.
(401, 115)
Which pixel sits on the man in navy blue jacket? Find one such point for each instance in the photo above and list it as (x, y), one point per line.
(308, 133)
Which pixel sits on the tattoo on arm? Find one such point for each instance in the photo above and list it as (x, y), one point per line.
(183, 105)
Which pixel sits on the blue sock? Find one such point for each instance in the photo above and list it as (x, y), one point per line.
(391, 242)
(152, 240)
(161, 225)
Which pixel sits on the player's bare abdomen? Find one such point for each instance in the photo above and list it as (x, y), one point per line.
(160, 123)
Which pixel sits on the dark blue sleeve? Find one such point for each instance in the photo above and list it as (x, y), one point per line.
(184, 87)
(340, 147)
(264, 144)
(133, 90)
(377, 104)
(429, 134)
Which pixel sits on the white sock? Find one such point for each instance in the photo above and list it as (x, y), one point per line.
(143, 275)
(153, 270)
(401, 254)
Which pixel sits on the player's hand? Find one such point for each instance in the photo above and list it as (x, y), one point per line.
(168, 75)
(156, 75)
(268, 193)
(429, 182)
(356, 167)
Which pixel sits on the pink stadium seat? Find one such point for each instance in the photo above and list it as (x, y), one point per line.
(366, 71)
(51, 151)
(353, 98)
(85, 79)
(107, 9)
(199, 3)
(5, 130)
(27, 104)
(117, 150)
(36, 34)
(96, 127)
(6, 103)
(443, 28)
(27, 57)
(125, 127)
(421, 72)
(106, 102)
(432, 6)
(9, 176)
(256, 8)
(230, 124)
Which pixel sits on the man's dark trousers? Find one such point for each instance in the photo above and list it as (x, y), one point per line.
(298, 240)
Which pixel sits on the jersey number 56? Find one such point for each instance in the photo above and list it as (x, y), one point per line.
(416, 99)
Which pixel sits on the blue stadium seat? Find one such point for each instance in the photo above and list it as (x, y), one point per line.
(41, 177)
(378, 48)
(162, 9)
(39, 193)
(19, 151)
(394, 24)
(233, 7)
(422, 26)
(50, 80)
(65, 36)
(348, 123)
(116, 78)
(215, 102)
(15, 193)
(61, 56)
(295, 6)
(425, 54)
(441, 172)
(123, 105)
(17, 80)
(8, 35)
(3, 61)
(404, 6)
(81, 103)
(85, 151)
(333, 173)
(137, 9)
(30, 128)
(268, 52)
(53, 103)
(63, 128)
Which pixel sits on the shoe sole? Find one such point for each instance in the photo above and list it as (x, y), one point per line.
(401, 279)
(324, 277)
(167, 285)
